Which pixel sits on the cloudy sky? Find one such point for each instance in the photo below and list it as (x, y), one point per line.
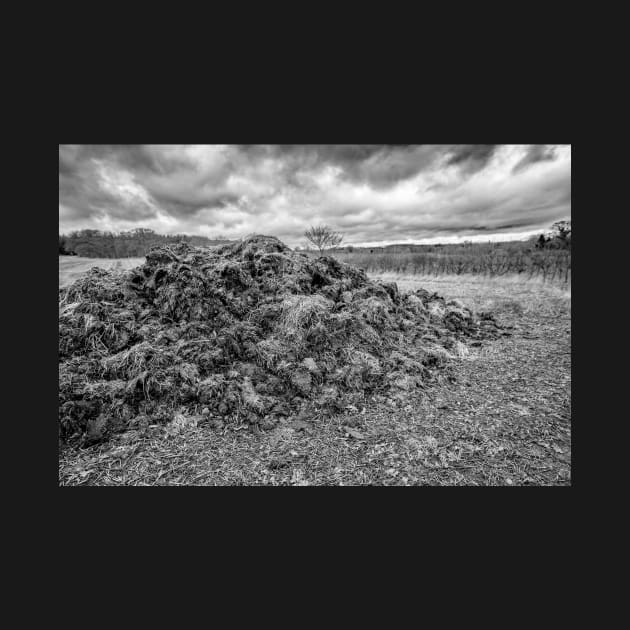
(371, 193)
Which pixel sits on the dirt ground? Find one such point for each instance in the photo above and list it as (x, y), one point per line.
(500, 416)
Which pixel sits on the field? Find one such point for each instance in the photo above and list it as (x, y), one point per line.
(478, 259)
(501, 414)
(72, 267)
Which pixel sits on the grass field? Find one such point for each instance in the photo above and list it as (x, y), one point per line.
(481, 259)
(483, 293)
(501, 415)
(72, 267)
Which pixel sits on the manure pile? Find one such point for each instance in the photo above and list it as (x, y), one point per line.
(248, 332)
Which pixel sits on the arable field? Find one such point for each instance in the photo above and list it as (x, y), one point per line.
(500, 415)
(72, 267)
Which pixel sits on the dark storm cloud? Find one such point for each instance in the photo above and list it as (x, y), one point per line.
(179, 207)
(337, 153)
(67, 161)
(472, 157)
(79, 188)
(134, 157)
(82, 192)
(371, 192)
(536, 153)
(374, 164)
(393, 165)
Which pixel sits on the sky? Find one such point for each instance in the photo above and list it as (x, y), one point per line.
(371, 194)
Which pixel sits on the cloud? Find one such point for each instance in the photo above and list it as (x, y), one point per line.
(472, 157)
(379, 165)
(370, 192)
(536, 153)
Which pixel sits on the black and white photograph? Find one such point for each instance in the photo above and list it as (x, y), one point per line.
(314, 315)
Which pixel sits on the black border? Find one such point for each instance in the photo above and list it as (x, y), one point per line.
(329, 112)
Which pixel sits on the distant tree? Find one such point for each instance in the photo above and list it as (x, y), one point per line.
(137, 242)
(561, 231)
(541, 242)
(558, 237)
(63, 246)
(323, 237)
(350, 249)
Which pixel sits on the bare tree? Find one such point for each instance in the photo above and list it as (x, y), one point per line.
(323, 237)
(562, 232)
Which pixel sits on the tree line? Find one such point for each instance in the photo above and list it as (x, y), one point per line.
(558, 238)
(478, 259)
(547, 255)
(130, 244)
(324, 238)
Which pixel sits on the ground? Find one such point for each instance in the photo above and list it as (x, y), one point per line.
(501, 415)
(71, 267)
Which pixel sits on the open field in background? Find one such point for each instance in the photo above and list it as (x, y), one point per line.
(501, 414)
(72, 267)
(491, 260)
(500, 294)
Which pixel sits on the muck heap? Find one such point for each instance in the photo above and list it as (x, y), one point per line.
(247, 332)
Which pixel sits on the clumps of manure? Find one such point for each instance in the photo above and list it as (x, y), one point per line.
(247, 332)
